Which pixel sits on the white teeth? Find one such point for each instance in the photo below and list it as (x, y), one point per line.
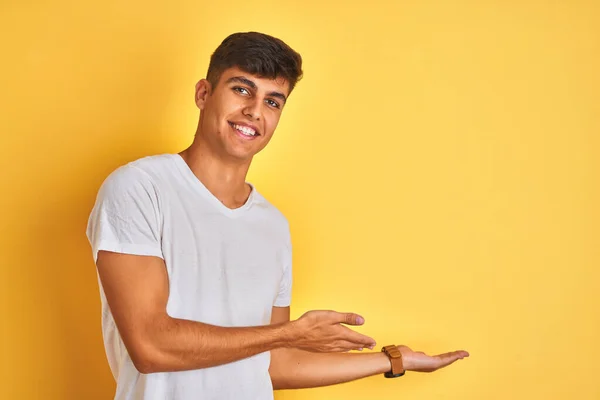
(245, 130)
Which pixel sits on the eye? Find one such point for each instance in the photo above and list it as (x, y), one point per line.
(241, 90)
(273, 103)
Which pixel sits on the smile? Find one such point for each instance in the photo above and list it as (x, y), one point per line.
(244, 130)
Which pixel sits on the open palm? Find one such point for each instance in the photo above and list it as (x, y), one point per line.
(421, 362)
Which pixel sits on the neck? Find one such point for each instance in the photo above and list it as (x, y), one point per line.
(224, 178)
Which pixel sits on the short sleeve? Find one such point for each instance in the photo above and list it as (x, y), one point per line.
(126, 215)
(284, 297)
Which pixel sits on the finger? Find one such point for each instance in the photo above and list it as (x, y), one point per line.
(347, 318)
(358, 338)
(448, 358)
(344, 346)
(459, 353)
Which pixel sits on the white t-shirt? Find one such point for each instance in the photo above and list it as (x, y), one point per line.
(226, 267)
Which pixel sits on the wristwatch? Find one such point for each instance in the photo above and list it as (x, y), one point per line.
(396, 359)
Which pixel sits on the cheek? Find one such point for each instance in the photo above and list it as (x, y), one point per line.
(222, 108)
(219, 119)
(271, 124)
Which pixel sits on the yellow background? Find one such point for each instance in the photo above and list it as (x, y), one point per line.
(438, 165)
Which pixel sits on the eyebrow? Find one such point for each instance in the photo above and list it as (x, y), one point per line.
(248, 82)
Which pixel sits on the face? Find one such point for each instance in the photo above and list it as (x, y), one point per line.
(240, 114)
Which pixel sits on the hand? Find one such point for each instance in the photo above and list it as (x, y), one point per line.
(322, 331)
(421, 362)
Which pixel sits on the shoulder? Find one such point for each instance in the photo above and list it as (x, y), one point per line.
(138, 177)
(154, 163)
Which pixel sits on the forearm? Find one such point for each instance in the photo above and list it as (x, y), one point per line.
(296, 369)
(176, 344)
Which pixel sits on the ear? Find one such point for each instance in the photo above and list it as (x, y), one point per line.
(203, 89)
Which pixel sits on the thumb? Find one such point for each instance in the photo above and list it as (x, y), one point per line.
(349, 319)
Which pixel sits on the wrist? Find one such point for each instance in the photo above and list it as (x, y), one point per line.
(395, 357)
(289, 334)
(385, 364)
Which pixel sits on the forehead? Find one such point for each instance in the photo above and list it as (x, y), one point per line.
(278, 84)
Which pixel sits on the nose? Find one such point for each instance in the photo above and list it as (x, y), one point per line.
(252, 109)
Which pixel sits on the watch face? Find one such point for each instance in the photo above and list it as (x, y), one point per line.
(391, 375)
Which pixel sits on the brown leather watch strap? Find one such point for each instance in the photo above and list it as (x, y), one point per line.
(395, 357)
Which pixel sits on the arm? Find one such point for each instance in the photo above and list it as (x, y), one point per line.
(295, 369)
(137, 290)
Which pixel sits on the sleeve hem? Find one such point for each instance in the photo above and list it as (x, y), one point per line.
(282, 303)
(127, 248)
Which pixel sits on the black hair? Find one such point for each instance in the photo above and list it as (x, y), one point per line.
(257, 54)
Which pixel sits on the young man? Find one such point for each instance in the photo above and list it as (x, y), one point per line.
(195, 267)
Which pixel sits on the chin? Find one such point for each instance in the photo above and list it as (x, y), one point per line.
(240, 154)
